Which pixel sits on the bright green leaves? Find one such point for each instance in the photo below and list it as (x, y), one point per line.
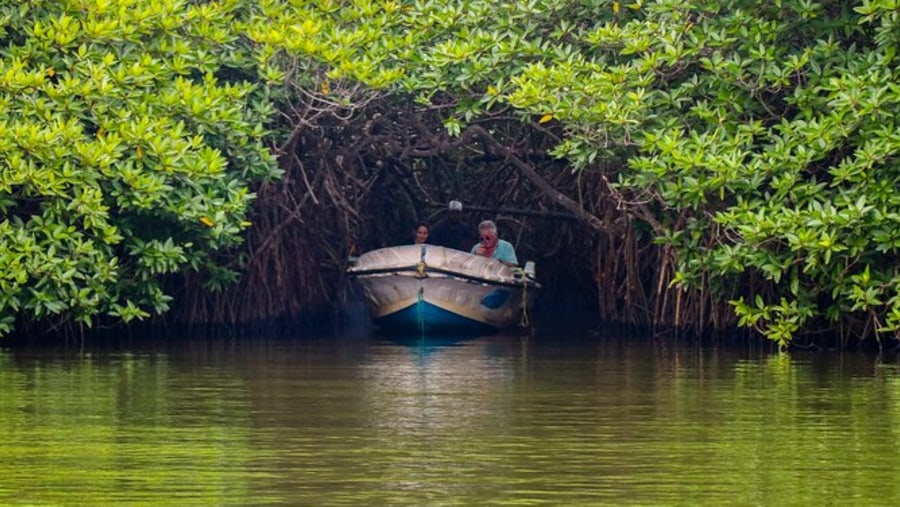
(125, 124)
(156, 257)
(355, 42)
(780, 142)
(779, 322)
(51, 268)
(762, 135)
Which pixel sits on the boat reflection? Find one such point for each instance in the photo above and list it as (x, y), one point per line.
(415, 384)
(425, 346)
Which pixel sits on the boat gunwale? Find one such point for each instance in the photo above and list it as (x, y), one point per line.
(413, 270)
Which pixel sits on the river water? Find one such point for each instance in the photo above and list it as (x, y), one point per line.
(497, 420)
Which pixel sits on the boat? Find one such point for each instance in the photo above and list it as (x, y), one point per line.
(434, 289)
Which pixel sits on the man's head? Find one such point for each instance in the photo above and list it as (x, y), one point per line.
(487, 233)
(454, 210)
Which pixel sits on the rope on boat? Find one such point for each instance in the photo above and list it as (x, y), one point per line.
(420, 308)
(420, 267)
(523, 321)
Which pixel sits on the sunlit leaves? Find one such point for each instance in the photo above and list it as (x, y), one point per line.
(123, 123)
(762, 135)
(771, 128)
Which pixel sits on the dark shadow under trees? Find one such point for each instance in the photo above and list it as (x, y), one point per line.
(359, 179)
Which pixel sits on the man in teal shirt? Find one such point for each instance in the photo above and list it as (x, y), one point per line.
(492, 246)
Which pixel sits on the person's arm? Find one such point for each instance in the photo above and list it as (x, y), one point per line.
(508, 254)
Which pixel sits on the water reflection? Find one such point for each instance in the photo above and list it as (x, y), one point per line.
(487, 420)
(423, 347)
(110, 429)
(436, 382)
(428, 401)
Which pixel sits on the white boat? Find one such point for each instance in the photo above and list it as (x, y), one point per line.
(430, 288)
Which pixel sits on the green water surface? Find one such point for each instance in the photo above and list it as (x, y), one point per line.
(500, 420)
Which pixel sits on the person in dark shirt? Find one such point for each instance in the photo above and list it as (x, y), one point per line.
(453, 232)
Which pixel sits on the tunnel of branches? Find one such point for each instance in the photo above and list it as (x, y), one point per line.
(362, 177)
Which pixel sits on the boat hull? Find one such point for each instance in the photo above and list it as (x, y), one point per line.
(433, 289)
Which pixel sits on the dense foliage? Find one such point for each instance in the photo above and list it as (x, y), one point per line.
(754, 142)
(761, 144)
(129, 131)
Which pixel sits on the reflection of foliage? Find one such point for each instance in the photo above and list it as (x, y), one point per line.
(114, 431)
(491, 420)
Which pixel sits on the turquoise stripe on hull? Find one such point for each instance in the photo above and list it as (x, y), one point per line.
(428, 318)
